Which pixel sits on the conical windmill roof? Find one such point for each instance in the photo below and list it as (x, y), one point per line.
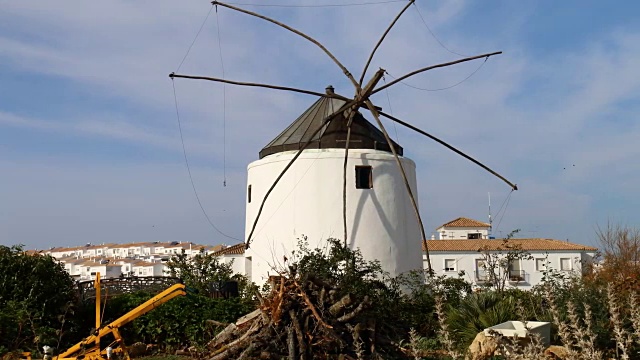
(364, 135)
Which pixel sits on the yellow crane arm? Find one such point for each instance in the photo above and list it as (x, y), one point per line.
(168, 294)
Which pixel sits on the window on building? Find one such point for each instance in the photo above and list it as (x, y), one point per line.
(474, 236)
(481, 273)
(449, 265)
(364, 178)
(249, 194)
(93, 273)
(541, 264)
(565, 264)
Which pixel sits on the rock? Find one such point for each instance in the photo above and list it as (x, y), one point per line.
(556, 352)
(483, 347)
(137, 349)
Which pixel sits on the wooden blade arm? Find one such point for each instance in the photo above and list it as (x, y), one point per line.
(251, 84)
(434, 67)
(314, 41)
(375, 48)
(513, 186)
(374, 112)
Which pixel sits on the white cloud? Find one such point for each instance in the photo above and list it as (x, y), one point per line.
(526, 114)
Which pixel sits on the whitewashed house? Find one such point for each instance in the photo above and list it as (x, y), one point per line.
(89, 269)
(145, 268)
(235, 254)
(473, 258)
(463, 228)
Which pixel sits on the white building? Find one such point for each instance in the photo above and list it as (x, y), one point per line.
(450, 257)
(235, 254)
(463, 228)
(307, 202)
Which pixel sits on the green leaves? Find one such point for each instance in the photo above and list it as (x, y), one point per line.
(35, 298)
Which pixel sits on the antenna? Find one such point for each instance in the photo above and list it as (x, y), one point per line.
(490, 219)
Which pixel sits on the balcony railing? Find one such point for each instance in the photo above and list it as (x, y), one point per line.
(517, 276)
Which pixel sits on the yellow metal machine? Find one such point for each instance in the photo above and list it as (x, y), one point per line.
(89, 348)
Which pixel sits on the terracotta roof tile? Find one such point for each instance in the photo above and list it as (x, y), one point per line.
(237, 249)
(536, 244)
(465, 222)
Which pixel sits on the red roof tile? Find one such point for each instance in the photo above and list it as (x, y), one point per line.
(499, 244)
(465, 222)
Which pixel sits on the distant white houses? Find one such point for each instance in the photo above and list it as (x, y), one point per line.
(132, 259)
(461, 246)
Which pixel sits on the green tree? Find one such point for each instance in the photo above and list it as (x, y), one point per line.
(36, 298)
(203, 271)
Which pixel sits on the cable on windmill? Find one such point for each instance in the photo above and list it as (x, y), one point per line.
(375, 48)
(297, 32)
(186, 161)
(395, 128)
(505, 209)
(317, 5)
(431, 67)
(224, 106)
(434, 35)
(194, 39)
(450, 147)
(447, 87)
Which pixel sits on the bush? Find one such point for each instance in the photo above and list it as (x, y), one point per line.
(36, 301)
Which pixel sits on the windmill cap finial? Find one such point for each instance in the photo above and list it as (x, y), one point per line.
(329, 90)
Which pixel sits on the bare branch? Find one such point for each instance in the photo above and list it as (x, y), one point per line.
(434, 67)
(375, 48)
(251, 84)
(374, 112)
(335, 60)
(325, 122)
(513, 186)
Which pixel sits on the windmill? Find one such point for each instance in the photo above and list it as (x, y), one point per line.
(335, 123)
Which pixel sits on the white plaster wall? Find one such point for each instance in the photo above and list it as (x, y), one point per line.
(460, 233)
(308, 202)
(467, 261)
(239, 265)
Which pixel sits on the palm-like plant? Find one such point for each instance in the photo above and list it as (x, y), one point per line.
(479, 311)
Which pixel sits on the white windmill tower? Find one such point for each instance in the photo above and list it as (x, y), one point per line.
(308, 198)
(332, 173)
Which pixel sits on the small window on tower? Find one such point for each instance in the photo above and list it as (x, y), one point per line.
(249, 194)
(363, 177)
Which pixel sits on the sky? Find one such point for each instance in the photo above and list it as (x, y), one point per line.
(90, 148)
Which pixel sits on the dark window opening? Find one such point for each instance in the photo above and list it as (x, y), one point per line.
(474, 236)
(249, 194)
(364, 179)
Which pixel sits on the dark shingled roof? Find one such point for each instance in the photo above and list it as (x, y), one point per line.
(364, 135)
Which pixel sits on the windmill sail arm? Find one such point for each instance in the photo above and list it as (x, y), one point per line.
(298, 32)
(375, 48)
(393, 118)
(376, 116)
(434, 67)
(251, 84)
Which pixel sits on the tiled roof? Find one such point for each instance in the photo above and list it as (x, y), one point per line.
(536, 244)
(237, 249)
(465, 222)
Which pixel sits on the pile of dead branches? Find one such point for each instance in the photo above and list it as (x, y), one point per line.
(304, 317)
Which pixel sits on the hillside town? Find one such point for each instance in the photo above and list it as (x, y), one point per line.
(458, 247)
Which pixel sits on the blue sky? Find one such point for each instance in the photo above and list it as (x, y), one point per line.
(90, 150)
